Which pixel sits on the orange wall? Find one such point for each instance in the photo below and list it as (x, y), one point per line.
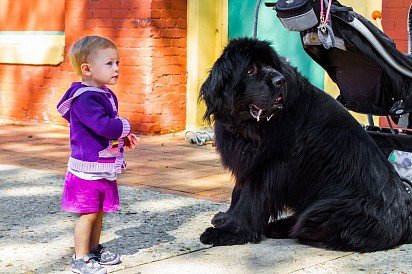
(394, 21)
(151, 36)
(36, 15)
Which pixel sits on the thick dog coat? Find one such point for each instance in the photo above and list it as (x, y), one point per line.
(294, 149)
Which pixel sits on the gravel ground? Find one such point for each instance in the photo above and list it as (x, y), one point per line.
(150, 232)
(36, 237)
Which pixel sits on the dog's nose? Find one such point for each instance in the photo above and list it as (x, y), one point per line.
(278, 81)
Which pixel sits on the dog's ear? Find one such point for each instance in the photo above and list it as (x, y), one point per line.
(211, 92)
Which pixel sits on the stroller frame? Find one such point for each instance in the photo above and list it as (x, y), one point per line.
(393, 71)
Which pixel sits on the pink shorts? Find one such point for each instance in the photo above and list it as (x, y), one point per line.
(84, 196)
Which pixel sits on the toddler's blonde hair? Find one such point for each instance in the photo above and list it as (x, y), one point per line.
(83, 50)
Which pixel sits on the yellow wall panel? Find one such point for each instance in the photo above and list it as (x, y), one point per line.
(207, 35)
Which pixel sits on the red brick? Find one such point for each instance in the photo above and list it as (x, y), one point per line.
(179, 5)
(153, 64)
(392, 4)
(179, 42)
(120, 14)
(159, 23)
(162, 42)
(156, 14)
(181, 23)
(126, 4)
(171, 23)
(163, 4)
(172, 33)
(101, 14)
(179, 78)
(402, 46)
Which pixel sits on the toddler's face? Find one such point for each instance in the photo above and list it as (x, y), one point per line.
(104, 67)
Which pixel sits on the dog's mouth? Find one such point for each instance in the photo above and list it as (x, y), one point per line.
(255, 111)
(259, 113)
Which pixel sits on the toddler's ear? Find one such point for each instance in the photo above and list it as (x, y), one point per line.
(85, 69)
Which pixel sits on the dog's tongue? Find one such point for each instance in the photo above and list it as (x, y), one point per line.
(255, 111)
(278, 102)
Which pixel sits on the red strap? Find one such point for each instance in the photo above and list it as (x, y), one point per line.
(325, 18)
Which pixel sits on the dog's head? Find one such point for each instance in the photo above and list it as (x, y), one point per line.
(247, 84)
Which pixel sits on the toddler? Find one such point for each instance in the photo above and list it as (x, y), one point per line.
(98, 137)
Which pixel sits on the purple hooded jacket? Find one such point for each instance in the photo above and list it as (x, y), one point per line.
(96, 131)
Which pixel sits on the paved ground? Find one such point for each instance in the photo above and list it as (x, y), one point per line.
(169, 194)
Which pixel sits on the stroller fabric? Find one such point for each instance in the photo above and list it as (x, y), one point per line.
(296, 15)
(383, 90)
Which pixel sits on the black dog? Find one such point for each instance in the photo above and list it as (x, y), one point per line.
(294, 149)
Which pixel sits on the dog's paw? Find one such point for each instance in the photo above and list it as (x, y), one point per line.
(219, 237)
(219, 219)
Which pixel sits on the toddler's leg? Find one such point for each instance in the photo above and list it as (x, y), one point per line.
(83, 233)
(96, 231)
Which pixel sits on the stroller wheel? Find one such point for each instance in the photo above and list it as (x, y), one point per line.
(408, 185)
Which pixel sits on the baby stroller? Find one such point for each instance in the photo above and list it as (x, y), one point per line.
(373, 77)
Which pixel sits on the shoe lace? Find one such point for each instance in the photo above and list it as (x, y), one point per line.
(104, 251)
(93, 263)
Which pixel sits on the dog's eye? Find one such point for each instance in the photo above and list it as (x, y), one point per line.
(251, 70)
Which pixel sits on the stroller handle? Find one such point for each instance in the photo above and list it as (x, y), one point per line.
(356, 24)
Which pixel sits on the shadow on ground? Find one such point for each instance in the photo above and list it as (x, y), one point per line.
(35, 236)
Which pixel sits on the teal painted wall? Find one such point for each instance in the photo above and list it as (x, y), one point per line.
(287, 43)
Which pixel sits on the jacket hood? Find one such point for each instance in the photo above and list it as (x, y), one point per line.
(68, 95)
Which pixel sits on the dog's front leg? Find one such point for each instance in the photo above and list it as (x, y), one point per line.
(241, 223)
(221, 217)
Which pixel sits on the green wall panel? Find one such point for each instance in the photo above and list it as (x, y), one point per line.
(286, 43)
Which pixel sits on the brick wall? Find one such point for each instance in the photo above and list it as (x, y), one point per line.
(394, 21)
(151, 36)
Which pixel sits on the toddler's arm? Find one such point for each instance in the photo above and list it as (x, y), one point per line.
(92, 114)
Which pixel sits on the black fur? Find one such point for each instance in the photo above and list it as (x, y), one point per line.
(311, 158)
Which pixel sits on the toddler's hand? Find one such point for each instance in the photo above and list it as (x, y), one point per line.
(130, 141)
